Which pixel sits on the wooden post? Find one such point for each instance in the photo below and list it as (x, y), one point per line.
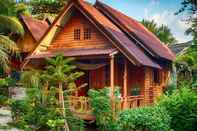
(112, 75)
(112, 84)
(125, 85)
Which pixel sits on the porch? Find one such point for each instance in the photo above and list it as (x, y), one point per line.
(81, 107)
(110, 72)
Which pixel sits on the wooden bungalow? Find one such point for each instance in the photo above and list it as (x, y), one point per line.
(34, 30)
(111, 48)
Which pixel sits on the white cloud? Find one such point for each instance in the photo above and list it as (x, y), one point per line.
(175, 23)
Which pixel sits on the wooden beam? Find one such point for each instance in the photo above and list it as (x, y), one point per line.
(112, 75)
(125, 85)
(112, 84)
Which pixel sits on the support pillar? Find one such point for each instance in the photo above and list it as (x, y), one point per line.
(112, 84)
(125, 85)
(112, 75)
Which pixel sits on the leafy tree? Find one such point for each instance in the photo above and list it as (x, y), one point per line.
(45, 6)
(162, 32)
(9, 27)
(190, 57)
(58, 72)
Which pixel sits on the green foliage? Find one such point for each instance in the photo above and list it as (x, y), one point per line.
(61, 70)
(162, 32)
(144, 119)
(189, 7)
(47, 6)
(44, 109)
(3, 100)
(5, 82)
(33, 114)
(181, 106)
(9, 27)
(101, 103)
(31, 78)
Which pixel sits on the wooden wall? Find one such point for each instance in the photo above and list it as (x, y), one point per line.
(65, 38)
(152, 90)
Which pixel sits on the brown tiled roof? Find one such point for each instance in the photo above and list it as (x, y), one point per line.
(114, 33)
(122, 42)
(73, 53)
(37, 28)
(148, 39)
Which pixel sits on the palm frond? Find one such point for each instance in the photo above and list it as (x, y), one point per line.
(4, 61)
(8, 45)
(30, 78)
(11, 24)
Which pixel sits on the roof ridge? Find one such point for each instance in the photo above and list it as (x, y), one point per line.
(130, 25)
(110, 30)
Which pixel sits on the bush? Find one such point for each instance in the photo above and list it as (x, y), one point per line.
(35, 113)
(182, 107)
(144, 119)
(3, 100)
(101, 103)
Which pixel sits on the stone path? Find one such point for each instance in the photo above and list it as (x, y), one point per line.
(5, 118)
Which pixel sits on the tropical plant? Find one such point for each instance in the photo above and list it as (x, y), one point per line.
(59, 71)
(9, 27)
(189, 7)
(46, 6)
(144, 119)
(102, 109)
(181, 107)
(162, 32)
(31, 78)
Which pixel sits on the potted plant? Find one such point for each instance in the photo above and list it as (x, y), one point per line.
(135, 90)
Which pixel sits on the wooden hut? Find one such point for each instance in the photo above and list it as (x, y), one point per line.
(111, 48)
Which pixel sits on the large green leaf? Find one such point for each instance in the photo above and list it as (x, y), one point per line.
(10, 25)
(7, 47)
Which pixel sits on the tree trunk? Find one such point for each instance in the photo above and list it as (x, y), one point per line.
(61, 101)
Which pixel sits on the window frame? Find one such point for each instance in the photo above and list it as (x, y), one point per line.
(87, 34)
(77, 34)
(156, 76)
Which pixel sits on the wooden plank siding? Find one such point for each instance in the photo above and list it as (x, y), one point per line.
(65, 39)
(152, 90)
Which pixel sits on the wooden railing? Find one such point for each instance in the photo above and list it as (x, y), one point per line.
(79, 104)
(132, 101)
(82, 104)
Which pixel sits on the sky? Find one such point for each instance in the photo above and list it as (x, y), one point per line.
(161, 11)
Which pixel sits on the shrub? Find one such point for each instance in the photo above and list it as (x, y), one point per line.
(182, 107)
(34, 114)
(101, 103)
(3, 100)
(144, 119)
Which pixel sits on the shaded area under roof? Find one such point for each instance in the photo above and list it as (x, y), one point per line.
(73, 53)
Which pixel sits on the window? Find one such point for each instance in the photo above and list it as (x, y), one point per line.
(87, 33)
(77, 33)
(156, 76)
